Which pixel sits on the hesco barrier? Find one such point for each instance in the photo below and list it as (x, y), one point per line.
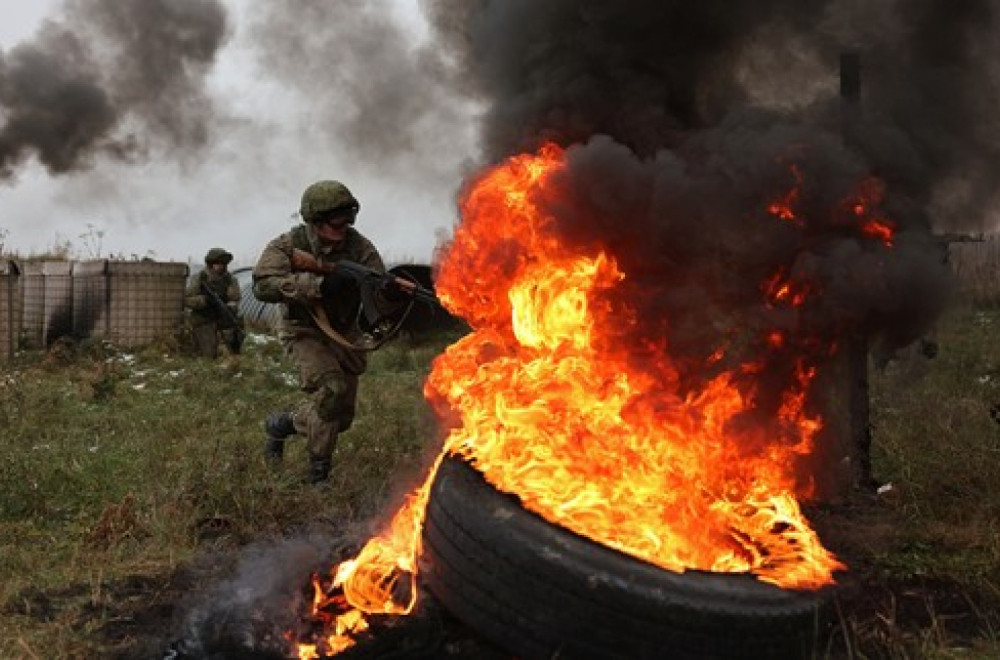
(129, 302)
(48, 300)
(31, 286)
(975, 264)
(91, 301)
(145, 300)
(10, 312)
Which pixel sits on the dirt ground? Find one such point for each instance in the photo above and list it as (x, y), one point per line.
(874, 614)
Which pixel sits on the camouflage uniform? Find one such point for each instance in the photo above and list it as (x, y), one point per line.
(328, 371)
(207, 321)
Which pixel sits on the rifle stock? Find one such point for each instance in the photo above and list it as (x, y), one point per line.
(304, 262)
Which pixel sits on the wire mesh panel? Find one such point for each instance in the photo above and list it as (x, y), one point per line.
(91, 303)
(9, 310)
(146, 300)
(57, 305)
(32, 286)
(975, 264)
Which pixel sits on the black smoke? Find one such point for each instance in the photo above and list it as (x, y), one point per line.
(684, 120)
(247, 614)
(113, 79)
(651, 74)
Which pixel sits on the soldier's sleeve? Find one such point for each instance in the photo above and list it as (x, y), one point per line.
(193, 297)
(273, 278)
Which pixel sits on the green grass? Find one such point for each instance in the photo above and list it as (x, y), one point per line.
(925, 556)
(121, 471)
(117, 465)
(934, 436)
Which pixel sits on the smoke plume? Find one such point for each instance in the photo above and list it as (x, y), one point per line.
(109, 78)
(375, 92)
(650, 74)
(685, 122)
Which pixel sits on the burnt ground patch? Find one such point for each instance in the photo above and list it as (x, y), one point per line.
(881, 616)
(901, 593)
(877, 609)
(124, 618)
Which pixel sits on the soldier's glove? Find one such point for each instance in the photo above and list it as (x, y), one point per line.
(332, 284)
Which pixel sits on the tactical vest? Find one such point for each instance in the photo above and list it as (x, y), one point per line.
(344, 309)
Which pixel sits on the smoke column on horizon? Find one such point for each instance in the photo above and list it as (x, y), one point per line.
(113, 79)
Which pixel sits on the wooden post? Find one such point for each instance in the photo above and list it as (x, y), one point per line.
(858, 399)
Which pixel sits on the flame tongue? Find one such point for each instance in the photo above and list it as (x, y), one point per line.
(553, 408)
(590, 430)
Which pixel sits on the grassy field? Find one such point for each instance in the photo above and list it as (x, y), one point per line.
(133, 482)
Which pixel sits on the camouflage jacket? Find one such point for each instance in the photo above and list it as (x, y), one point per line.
(275, 282)
(195, 299)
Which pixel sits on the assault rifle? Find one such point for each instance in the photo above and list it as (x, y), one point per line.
(367, 278)
(229, 319)
(376, 329)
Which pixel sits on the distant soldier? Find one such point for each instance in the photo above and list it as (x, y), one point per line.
(213, 297)
(319, 320)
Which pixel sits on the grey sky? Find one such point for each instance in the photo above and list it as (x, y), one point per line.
(272, 131)
(171, 126)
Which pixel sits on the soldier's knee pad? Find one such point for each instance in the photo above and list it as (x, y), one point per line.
(334, 404)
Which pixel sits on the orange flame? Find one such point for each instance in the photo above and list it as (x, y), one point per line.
(554, 410)
(783, 207)
(548, 404)
(865, 205)
(779, 289)
(380, 580)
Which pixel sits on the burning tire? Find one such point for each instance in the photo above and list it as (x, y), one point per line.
(544, 592)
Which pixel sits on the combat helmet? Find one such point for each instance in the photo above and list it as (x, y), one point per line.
(323, 197)
(218, 256)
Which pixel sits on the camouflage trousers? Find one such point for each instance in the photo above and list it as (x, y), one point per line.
(333, 393)
(205, 337)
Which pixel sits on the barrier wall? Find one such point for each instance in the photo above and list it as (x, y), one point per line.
(90, 298)
(10, 312)
(57, 302)
(977, 266)
(130, 303)
(145, 300)
(31, 285)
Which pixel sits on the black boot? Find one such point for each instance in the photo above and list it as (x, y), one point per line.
(278, 426)
(274, 449)
(319, 469)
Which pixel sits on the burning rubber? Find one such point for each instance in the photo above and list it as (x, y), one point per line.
(541, 591)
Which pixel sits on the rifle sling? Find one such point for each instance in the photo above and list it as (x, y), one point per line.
(323, 323)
